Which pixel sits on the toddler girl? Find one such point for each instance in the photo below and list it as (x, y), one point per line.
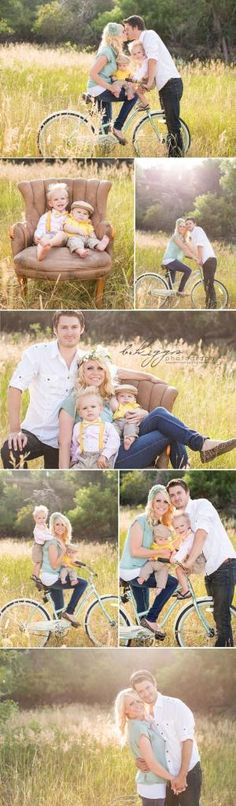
(182, 526)
(49, 230)
(41, 534)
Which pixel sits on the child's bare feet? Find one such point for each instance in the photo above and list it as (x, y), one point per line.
(140, 580)
(128, 441)
(101, 246)
(42, 250)
(82, 252)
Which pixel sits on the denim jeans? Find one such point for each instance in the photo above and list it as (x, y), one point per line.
(34, 449)
(175, 266)
(141, 595)
(220, 585)
(209, 270)
(56, 592)
(104, 103)
(191, 795)
(170, 96)
(157, 430)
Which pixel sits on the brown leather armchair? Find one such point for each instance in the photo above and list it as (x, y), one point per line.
(60, 264)
(152, 392)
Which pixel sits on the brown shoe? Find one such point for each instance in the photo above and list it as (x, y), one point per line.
(153, 628)
(73, 621)
(119, 137)
(212, 448)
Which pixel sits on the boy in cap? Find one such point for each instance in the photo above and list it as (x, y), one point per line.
(80, 232)
(122, 404)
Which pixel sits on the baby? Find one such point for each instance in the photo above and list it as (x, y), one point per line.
(182, 526)
(132, 72)
(49, 230)
(79, 230)
(123, 403)
(95, 443)
(68, 570)
(41, 534)
(165, 543)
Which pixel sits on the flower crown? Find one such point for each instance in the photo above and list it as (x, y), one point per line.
(98, 353)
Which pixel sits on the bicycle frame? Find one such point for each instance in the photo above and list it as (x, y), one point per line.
(164, 619)
(56, 623)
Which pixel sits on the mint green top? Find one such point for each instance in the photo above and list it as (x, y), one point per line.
(46, 565)
(136, 729)
(109, 68)
(127, 561)
(68, 405)
(173, 252)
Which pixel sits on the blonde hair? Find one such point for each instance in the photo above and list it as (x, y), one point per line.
(120, 714)
(89, 391)
(109, 40)
(181, 222)
(135, 44)
(166, 519)
(106, 389)
(40, 508)
(180, 514)
(51, 189)
(68, 528)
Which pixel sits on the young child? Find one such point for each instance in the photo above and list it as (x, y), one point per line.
(49, 230)
(79, 230)
(165, 543)
(132, 72)
(95, 443)
(41, 534)
(124, 402)
(68, 570)
(182, 526)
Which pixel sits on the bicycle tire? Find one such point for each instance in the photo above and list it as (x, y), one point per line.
(198, 295)
(46, 139)
(19, 637)
(194, 635)
(153, 141)
(97, 627)
(147, 286)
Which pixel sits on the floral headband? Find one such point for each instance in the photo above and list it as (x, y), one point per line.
(98, 353)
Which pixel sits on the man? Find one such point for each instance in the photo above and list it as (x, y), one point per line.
(162, 70)
(175, 723)
(207, 259)
(48, 370)
(210, 538)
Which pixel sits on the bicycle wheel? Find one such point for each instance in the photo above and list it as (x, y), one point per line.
(101, 623)
(150, 136)
(66, 134)
(198, 295)
(150, 291)
(20, 621)
(189, 629)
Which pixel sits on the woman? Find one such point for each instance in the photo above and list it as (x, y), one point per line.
(145, 742)
(53, 552)
(158, 429)
(137, 551)
(100, 85)
(177, 247)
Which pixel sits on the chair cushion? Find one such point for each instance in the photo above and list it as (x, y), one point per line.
(60, 261)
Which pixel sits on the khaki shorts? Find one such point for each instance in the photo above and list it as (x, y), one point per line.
(37, 553)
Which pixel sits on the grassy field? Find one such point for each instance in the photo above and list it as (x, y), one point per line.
(36, 81)
(15, 580)
(57, 755)
(203, 376)
(127, 516)
(149, 250)
(119, 284)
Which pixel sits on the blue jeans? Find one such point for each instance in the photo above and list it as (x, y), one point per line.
(141, 595)
(56, 592)
(104, 103)
(175, 266)
(220, 585)
(157, 430)
(191, 795)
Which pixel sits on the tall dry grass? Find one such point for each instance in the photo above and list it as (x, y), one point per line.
(59, 755)
(45, 294)
(204, 377)
(37, 80)
(149, 251)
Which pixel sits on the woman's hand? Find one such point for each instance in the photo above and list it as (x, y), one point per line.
(136, 416)
(179, 784)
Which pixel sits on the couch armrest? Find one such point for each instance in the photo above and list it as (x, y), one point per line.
(21, 236)
(105, 228)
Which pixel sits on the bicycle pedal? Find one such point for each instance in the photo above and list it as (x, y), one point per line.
(124, 598)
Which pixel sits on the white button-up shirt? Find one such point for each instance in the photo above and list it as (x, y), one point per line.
(217, 546)
(199, 238)
(155, 49)
(176, 724)
(44, 371)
